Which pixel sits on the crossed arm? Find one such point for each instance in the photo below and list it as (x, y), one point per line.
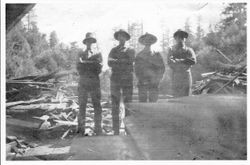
(189, 60)
(112, 61)
(97, 58)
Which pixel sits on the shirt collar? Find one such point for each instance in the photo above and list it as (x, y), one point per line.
(184, 47)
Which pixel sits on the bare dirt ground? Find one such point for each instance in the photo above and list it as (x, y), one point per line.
(190, 128)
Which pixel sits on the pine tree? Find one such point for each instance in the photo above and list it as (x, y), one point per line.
(187, 28)
(165, 43)
(135, 30)
(53, 40)
(199, 30)
(235, 13)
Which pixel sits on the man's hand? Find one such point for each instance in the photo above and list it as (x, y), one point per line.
(85, 61)
(113, 60)
(177, 60)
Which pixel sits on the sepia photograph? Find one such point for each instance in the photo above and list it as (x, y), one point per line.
(123, 80)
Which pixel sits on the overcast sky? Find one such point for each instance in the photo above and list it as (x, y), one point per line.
(72, 20)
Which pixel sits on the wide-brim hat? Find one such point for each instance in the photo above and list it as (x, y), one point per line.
(147, 39)
(89, 37)
(181, 33)
(121, 32)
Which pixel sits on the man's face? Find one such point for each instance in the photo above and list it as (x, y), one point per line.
(88, 43)
(121, 38)
(179, 39)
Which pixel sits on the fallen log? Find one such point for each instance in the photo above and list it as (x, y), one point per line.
(45, 77)
(208, 74)
(223, 55)
(10, 104)
(65, 134)
(68, 123)
(27, 82)
(243, 70)
(43, 106)
(11, 139)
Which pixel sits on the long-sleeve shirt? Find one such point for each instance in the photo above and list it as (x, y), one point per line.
(181, 59)
(121, 60)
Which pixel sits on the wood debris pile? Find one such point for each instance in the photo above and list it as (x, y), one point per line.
(234, 82)
(48, 108)
(17, 147)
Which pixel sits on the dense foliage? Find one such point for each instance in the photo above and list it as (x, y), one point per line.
(28, 52)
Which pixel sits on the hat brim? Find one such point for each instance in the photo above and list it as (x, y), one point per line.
(147, 40)
(182, 34)
(122, 33)
(91, 39)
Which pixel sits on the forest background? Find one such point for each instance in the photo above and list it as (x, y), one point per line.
(30, 52)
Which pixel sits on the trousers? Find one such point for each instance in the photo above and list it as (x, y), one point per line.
(124, 88)
(95, 92)
(148, 92)
(181, 83)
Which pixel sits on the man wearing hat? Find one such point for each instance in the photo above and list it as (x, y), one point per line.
(149, 69)
(180, 59)
(89, 67)
(121, 59)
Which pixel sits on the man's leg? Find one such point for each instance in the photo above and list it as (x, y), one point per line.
(127, 93)
(96, 100)
(142, 92)
(82, 99)
(115, 97)
(153, 92)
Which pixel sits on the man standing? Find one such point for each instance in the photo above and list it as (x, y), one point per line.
(89, 67)
(149, 69)
(121, 60)
(180, 60)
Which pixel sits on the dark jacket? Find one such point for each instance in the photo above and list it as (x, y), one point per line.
(93, 65)
(89, 71)
(149, 67)
(121, 61)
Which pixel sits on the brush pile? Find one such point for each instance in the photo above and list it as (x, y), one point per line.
(46, 107)
(223, 82)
